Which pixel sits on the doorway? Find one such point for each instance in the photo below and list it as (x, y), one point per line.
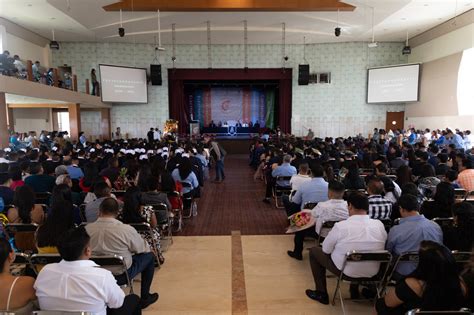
(61, 120)
(394, 121)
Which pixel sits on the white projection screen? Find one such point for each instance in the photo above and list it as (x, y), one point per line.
(393, 84)
(123, 84)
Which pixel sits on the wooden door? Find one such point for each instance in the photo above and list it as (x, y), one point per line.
(394, 121)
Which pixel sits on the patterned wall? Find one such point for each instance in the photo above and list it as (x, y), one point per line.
(336, 109)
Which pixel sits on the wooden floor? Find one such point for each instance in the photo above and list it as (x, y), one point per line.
(235, 205)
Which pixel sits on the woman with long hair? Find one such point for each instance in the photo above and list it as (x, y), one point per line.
(428, 180)
(62, 193)
(353, 180)
(134, 212)
(57, 223)
(17, 294)
(404, 175)
(442, 203)
(25, 210)
(461, 235)
(184, 174)
(143, 175)
(435, 284)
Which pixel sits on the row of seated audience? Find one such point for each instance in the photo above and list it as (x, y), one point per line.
(115, 185)
(365, 186)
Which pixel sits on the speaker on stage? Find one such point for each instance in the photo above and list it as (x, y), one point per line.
(303, 74)
(155, 74)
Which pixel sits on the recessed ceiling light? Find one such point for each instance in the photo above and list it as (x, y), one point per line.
(53, 18)
(29, 5)
(403, 19)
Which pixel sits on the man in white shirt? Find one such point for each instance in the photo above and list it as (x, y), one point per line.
(78, 284)
(300, 178)
(334, 209)
(157, 135)
(110, 236)
(359, 233)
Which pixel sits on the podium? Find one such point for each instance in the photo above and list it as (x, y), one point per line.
(194, 129)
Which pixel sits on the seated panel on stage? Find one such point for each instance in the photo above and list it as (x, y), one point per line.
(230, 130)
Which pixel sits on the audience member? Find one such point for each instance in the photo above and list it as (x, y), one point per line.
(435, 284)
(73, 169)
(440, 206)
(334, 209)
(16, 177)
(102, 191)
(461, 235)
(39, 181)
(297, 180)
(353, 180)
(5, 191)
(379, 206)
(76, 283)
(408, 234)
(152, 196)
(466, 175)
(17, 295)
(428, 181)
(185, 174)
(358, 232)
(111, 237)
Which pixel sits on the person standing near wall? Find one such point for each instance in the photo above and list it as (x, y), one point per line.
(95, 83)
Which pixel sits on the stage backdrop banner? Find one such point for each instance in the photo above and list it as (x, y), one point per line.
(232, 104)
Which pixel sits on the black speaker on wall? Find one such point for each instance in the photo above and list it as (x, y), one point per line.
(303, 74)
(155, 74)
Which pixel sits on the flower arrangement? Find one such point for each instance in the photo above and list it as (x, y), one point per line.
(171, 126)
(300, 219)
(122, 182)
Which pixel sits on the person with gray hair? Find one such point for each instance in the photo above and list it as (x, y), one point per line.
(285, 169)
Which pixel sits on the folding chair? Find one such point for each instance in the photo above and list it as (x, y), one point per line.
(189, 201)
(118, 193)
(383, 257)
(408, 257)
(328, 225)
(146, 230)
(20, 263)
(396, 221)
(60, 313)
(177, 212)
(12, 228)
(462, 257)
(387, 223)
(279, 191)
(114, 261)
(43, 197)
(82, 212)
(392, 177)
(164, 223)
(460, 312)
(444, 222)
(460, 193)
(310, 205)
(43, 259)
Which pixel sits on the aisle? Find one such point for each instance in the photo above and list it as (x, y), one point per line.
(235, 205)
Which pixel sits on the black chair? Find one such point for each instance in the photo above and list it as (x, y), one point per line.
(444, 222)
(12, 228)
(43, 197)
(165, 221)
(43, 259)
(114, 261)
(462, 257)
(82, 212)
(408, 257)
(189, 202)
(118, 193)
(146, 230)
(383, 257)
(327, 225)
(279, 191)
(310, 205)
(20, 264)
(460, 193)
(460, 312)
(387, 223)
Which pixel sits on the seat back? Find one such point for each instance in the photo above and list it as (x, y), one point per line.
(13, 228)
(161, 212)
(459, 312)
(444, 222)
(383, 257)
(460, 193)
(44, 259)
(408, 257)
(462, 257)
(21, 259)
(310, 205)
(113, 261)
(118, 193)
(141, 227)
(43, 197)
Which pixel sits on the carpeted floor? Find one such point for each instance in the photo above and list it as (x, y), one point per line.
(235, 205)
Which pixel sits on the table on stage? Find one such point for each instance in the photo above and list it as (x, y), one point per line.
(230, 130)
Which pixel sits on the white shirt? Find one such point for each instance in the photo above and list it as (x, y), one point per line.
(330, 210)
(156, 135)
(359, 233)
(77, 286)
(4, 160)
(296, 181)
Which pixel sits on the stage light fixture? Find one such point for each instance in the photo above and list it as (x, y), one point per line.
(406, 50)
(337, 31)
(121, 31)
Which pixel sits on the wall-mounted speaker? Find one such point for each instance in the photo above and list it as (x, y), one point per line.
(303, 74)
(155, 75)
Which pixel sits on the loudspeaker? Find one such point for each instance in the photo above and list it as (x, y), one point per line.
(155, 74)
(303, 74)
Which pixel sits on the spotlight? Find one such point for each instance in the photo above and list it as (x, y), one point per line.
(406, 50)
(372, 45)
(173, 58)
(286, 58)
(121, 31)
(337, 31)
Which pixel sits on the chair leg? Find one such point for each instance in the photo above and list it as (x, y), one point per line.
(342, 302)
(335, 291)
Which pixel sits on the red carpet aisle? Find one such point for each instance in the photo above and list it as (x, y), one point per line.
(235, 205)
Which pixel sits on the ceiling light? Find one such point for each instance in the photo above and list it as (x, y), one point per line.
(29, 5)
(407, 49)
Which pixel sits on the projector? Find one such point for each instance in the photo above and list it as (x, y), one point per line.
(406, 50)
(372, 45)
(54, 44)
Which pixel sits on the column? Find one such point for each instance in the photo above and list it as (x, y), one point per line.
(87, 87)
(105, 123)
(29, 70)
(74, 83)
(75, 120)
(3, 122)
(10, 119)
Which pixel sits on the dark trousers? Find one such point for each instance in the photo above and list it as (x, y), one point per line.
(220, 169)
(290, 207)
(319, 262)
(299, 239)
(131, 305)
(141, 263)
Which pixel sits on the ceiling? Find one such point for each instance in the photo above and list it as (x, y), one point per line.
(86, 20)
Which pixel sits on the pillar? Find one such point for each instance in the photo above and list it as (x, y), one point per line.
(29, 70)
(75, 120)
(10, 119)
(105, 123)
(55, 77)
(87, 87)
(74, 83)
(3, 122)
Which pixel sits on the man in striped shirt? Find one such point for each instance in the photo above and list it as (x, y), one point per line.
(379, 206)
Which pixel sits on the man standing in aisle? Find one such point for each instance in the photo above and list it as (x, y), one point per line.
(218, 153)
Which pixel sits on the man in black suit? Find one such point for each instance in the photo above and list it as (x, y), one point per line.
(149, 135)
